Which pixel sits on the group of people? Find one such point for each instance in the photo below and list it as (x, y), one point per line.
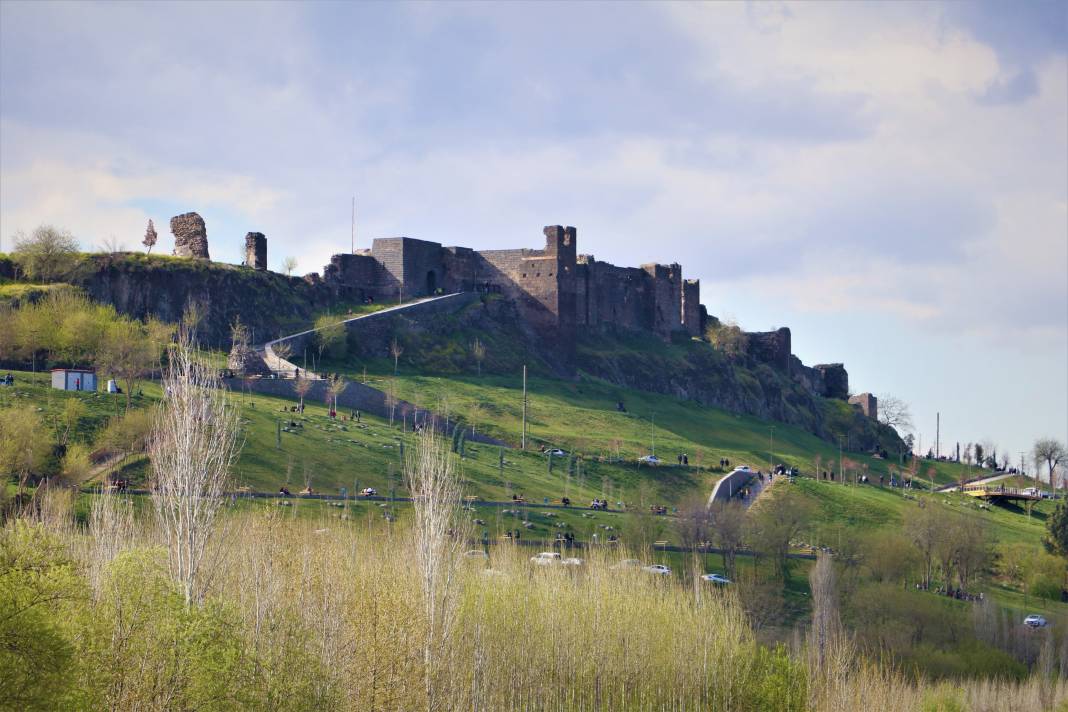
(658, 509)
(599, 504)
(7, 380)
(684, 459)
(724, 462)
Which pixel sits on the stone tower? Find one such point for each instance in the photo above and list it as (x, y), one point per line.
(256, 250)
(190, 236)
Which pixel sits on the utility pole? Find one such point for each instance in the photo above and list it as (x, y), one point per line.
(354, 223)
(938, 434)
(841, 470)
(771, 450)
(652, 434)
(523, 445)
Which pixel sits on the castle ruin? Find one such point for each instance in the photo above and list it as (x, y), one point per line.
(190, 236)
(256, 251)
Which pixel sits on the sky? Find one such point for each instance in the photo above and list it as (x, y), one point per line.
(888, 180)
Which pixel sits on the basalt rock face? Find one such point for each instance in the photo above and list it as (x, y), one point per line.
(270, 304)
(190, 236)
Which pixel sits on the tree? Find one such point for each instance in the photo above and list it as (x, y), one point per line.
(288, 265)
(727, 523)
(150, 237)
(440, 535)
(478, 350)
(301, 386)
(894, 412)
(330, 336)
(979, 458)
(127, 354)
(395, 350)
(728, 337)
(335, 386)
(778, 519)
(1049, 452)
(923, 526)
(1056, 539)
(24, 444)
(48, 253)
(192, 448)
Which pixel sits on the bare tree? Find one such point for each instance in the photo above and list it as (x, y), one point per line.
(826, 625)
(301, 386)
(193, 447)
(894, 412)
(439, 539)
(478, 350)
(727, 523)
(395, 350)
(335, 386)
(288, 265)
(150, 237)
(111, 524)
(1049, 452)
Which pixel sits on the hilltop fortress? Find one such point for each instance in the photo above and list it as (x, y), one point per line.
(557, 296)
(555, 289)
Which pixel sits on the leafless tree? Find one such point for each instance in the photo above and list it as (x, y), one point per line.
(193, 447)
(895, 412)
(439, 539)
(301, 386)
(111, 525)
(335, 386)
(727, 523)
(1048, 452)
(289, 264)
(478, 350)
(150, 237)
(923, 527)
(395, 350)
(826, 625)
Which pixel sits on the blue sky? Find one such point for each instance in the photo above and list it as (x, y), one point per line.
(889, 180)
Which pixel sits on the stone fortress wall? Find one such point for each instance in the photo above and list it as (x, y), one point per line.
(556, 290)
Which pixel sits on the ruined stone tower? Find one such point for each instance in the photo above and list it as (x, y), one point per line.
(190, 236)
(256, 250)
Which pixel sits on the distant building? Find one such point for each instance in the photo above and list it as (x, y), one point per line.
(74, 379)
(868, 404)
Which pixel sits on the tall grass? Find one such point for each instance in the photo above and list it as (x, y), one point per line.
(327, 615)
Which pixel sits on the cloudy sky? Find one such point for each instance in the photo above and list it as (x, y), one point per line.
(890, 180)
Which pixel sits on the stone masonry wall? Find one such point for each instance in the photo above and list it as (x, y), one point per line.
(256, 250)
(667, 297)
(691, 308)
(190, 236)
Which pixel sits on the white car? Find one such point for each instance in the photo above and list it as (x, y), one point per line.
(649, 460)
(546, 558)
(658, 569)
(1035, 621)
(716, 579)
(572, 561)
(742, 468)
(555, 452)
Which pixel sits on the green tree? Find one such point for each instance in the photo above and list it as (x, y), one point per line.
(330, 336)
(47, 254)
(25, 445)
(1056, 539)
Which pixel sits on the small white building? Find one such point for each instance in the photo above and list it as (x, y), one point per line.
(73, 379)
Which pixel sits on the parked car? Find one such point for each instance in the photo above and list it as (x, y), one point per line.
(1035, 621)
(716, 579)
(476, 554)
(649, 460)
(555, 452)
(572, 561)
(546, 558)
(743, 468)
(368, 492)
(658, 569)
